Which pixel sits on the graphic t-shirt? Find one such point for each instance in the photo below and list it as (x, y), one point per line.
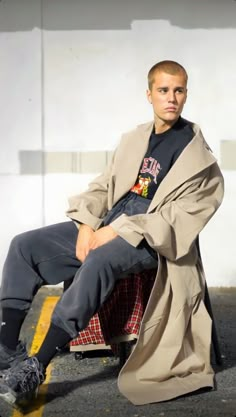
(163, 150)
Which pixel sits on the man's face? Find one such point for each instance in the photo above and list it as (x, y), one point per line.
(167, 96)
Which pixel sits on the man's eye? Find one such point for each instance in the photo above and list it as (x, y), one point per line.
(162, 90)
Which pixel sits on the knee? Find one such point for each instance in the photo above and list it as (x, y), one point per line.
(21, 242)
(96, 260)
(16, 242)
(97, 270)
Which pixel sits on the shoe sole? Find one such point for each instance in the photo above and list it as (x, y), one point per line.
(8, 395)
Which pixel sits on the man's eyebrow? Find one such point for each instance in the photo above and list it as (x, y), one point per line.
(166, 86)
(178, 87)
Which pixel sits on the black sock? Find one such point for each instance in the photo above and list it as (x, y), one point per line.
(12, 320)
(55, 339)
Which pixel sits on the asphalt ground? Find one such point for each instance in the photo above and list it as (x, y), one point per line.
(88, 387)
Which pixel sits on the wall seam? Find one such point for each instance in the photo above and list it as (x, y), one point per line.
(42, 115)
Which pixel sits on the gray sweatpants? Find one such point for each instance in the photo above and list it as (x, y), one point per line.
(47, 256)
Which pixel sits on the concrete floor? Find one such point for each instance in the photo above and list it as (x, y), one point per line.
(88, 388)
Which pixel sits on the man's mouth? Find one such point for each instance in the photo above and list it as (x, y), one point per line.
(173, 109)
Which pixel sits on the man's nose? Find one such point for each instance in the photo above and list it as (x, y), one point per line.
(171, 96)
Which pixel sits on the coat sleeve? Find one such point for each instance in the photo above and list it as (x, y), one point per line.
(172, 229)
(91, 206)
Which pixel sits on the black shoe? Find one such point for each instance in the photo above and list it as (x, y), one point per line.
(21, 382)
(10, 357)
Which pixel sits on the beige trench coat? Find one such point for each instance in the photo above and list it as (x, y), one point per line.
(172, 354)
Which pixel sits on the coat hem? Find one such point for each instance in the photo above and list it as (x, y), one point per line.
(146, 393)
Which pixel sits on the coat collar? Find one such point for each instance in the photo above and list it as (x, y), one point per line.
(128, 168)
(196, 157)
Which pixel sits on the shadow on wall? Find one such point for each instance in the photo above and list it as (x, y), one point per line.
(23, 15)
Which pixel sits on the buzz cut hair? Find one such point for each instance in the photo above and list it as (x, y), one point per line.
(169, 67)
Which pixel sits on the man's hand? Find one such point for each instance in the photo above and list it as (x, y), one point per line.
(82, 244)
(101, 236)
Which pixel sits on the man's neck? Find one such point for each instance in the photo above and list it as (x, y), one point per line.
(162, 126)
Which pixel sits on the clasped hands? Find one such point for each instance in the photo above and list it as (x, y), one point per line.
(89, 239)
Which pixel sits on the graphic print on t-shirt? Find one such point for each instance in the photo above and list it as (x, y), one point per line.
(141, 187)
(152, 167)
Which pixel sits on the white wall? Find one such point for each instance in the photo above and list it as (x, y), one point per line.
(73, 78)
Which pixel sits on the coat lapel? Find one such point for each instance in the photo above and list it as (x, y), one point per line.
(195, 158)
(128, 168)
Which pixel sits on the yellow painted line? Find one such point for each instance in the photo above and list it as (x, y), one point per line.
(40, 332)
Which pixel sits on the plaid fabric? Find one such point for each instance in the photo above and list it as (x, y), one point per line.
(92, 334)
(121, 314)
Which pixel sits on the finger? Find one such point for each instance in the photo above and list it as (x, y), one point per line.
(92, 243)
(86, 251)
(80, 255)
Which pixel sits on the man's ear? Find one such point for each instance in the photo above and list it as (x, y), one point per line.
(149, 96)
(186, 95)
